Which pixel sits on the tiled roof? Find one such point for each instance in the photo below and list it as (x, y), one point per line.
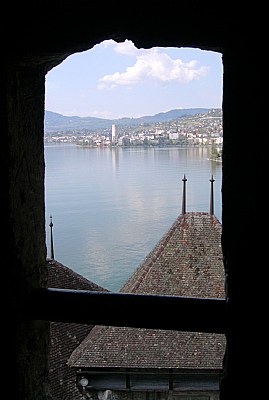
(186, 262)
(119, 347)
(65, 337)
(60, 276)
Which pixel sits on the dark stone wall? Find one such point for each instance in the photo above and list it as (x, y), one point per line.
(23, 240)
(243, 219)
(42, 36)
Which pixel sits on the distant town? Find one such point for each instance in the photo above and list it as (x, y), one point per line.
(191, 130)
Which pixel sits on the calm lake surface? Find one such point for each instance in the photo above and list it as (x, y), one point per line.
(110, 207)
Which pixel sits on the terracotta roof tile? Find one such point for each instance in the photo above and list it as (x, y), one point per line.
(186, 262)
(60, 276)
(65, 337)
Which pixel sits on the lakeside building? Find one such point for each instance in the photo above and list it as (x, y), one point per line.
(134, 363)
(114, 134)
(195, 130)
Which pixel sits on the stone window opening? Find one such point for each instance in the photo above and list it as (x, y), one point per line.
(25, 63)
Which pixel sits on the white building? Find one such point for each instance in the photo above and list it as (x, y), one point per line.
(114, 133)
(173, 135)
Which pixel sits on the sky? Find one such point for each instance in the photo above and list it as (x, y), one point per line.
(114, 80)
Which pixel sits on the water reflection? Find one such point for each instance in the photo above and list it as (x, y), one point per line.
(110, 207)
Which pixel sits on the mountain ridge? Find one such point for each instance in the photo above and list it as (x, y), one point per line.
(57, 122)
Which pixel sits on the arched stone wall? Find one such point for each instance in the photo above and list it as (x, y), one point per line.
(42, 37)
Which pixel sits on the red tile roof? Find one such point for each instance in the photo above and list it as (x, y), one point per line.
(186, 262)
(65, 337)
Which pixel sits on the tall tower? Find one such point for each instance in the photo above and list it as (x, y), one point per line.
(114, 134)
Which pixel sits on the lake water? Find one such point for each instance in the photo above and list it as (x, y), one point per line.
(110, 207)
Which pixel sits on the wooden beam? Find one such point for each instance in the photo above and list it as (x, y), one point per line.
(132, 310)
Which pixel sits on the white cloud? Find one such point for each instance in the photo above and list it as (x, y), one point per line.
(127, 47)
(151, 65)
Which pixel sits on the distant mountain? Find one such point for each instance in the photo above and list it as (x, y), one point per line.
(55, 122)
(172, 114)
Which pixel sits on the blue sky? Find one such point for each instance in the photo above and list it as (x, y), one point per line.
(114, 80)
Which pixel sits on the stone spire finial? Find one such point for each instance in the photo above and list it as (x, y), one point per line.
(184, 180)
(51, 240)
(212, 180)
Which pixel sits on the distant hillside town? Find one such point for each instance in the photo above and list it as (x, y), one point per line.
(197, 128)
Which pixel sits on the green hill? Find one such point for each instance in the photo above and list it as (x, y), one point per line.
(55, 122)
